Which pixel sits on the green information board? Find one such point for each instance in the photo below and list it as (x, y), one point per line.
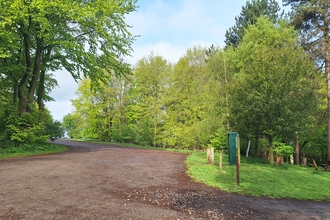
(233, 141)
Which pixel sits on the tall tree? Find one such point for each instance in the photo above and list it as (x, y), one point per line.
(192, 104)
(147, 97)
(312, 18)
(84, 37)
(217, 68)
(248, 16)
(72, 125)
(100, 110)
(272, 95)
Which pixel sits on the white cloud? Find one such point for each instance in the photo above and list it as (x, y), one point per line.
(143, 23)
(67, 86)
(59, 109)
(168, 51)
(62, 94)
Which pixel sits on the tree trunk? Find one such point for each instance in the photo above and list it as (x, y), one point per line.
(23, 82)
(35, 76)
(327, 72)
(271, 152)
(303, 161)
(155, 134)
(279, 161)
(327, 69)
(41, 90)
(264, 152)
(41, 87)
(21, 95)
(297, 153)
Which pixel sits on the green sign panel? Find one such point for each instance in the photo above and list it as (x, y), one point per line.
(233, 142)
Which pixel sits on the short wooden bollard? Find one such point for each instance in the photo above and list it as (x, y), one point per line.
(210, 155)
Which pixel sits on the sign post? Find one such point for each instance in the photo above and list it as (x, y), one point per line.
(238, 160)
(234, 152)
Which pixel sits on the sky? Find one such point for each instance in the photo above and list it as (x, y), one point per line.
(167, 28)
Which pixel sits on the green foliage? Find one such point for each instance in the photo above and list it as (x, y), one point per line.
(282, 150)
(26, 129)
(99, 113)
(194, 100)
(55, 130)
(157, 105)
(35, 127)
(144, 133)
(316, 146)
(259, 178)
(220, 140)
(71, 123)
(263, 89)
(249, 16)
(87, 38)
(312, 19)
(146, 109)
(272, 95)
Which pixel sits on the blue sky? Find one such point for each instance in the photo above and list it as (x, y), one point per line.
(167, 28)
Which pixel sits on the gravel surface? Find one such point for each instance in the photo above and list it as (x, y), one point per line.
(97, 181)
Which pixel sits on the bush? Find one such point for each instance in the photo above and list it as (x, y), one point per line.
(26, 129)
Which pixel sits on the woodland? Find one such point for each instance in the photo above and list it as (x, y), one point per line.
(267, 83)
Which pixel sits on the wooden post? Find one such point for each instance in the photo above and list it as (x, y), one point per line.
(238, 161)
(304, 161)
(315, 165)
(237, 171)
(248, 148)
(211, 155)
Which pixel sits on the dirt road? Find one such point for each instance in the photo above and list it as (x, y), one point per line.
(95, 181)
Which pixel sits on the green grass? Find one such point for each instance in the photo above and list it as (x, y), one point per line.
(259, 178)
(31, 150)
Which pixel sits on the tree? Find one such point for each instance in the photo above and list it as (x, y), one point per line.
(100, 111)
(248, 16)
(273, 94)
(218, 78)
(78, 36)
(37, 37)
(72, 125)
(193, 101)
(146, 109)
(312, 19)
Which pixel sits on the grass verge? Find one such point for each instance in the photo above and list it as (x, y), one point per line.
(31, 150)
(259, 178)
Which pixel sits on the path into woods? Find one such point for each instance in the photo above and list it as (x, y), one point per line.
(97, 181)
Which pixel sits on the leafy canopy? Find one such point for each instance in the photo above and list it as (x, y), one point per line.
(248, 16)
